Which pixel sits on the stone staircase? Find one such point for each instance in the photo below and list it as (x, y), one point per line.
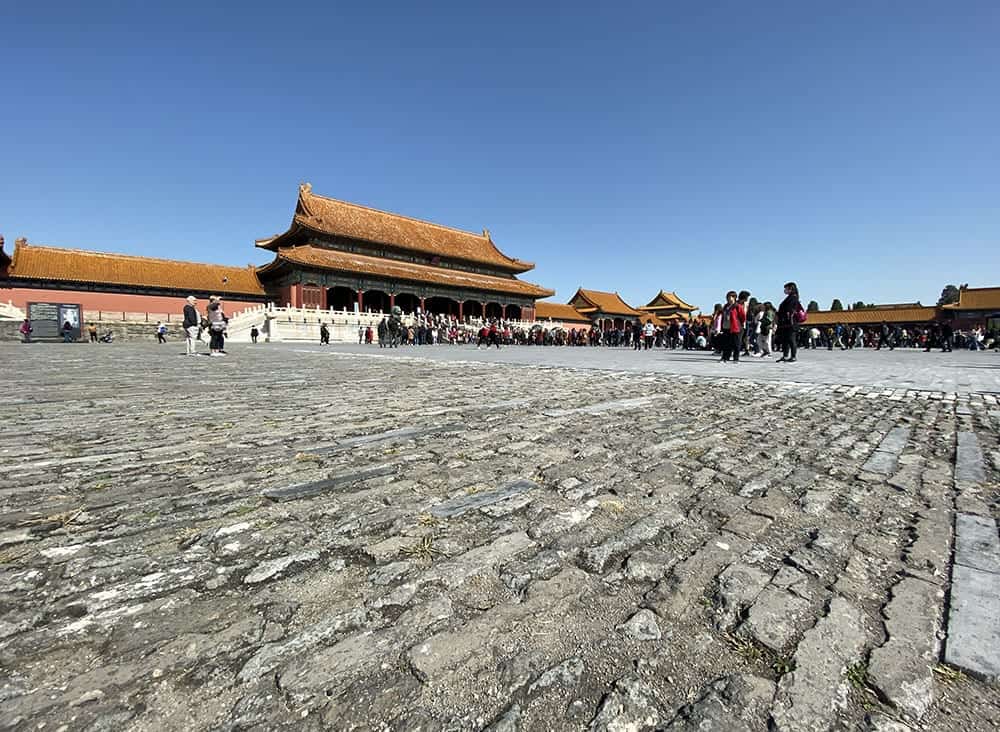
(9, 311)
(277, 324)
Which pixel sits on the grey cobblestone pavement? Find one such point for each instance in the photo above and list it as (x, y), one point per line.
(290, 538)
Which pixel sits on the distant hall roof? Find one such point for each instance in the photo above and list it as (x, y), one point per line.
(977, 298)
(872, 316)
(350, 220)
(77, 265)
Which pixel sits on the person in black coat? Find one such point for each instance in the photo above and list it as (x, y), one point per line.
(947, 336)
(192, 323)
(788, 322)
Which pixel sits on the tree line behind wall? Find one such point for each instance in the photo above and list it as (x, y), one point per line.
(949, 295)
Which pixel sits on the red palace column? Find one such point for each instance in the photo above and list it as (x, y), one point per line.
(361, 301)
(459, 311)
(484, 309)
(392, 300)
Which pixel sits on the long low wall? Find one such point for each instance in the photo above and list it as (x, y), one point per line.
(123, 331)
(115, 304)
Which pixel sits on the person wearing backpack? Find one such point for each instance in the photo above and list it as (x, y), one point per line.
(734, 315)
(765, 324)
(790, 315)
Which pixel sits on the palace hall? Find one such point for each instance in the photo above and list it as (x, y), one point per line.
(337, 254)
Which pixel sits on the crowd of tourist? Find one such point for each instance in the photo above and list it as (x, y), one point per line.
(741, 326)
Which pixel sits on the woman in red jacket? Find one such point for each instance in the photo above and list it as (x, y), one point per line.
(734, 315)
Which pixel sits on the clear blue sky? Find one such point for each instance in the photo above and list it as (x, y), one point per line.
(853, 147)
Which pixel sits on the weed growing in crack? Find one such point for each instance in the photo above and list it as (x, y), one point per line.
(615, 508)
(65, 518)
(424, 550)
(782, 666)
(246, 508)
(948, 675)
(748, 650)
(857, 676)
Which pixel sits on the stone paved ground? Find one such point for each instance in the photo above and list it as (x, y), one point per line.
(295, 539)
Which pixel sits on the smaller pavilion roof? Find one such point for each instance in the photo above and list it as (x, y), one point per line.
(545, 310)
(652, 318)
(668, 300)
(596, 301)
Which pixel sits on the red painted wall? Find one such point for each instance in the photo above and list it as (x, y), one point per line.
(111, 301)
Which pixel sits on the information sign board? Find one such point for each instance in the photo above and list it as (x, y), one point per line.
(48, 318)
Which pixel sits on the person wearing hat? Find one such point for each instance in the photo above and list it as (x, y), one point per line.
(191, 324)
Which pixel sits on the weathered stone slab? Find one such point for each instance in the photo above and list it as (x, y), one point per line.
(895, 441)
(310, 490)
(463, 504)
(647, 565)
(565, 675)
(810, 697)
(596, 559)
(883, 461)
(776, 617)
(737, 703)
(509, 721)
(931, 550)
(748, 525)
(455, 572)
(977, 544)
(901, 668)
(630, 707)
(270, 656)
(560, 522)
(277, 567)
(689, 579)
(323, 673)
(969, 459)
(614, 405)
(642, 626)
(396, 435)
(973, 642)
(739, 586)
(450, 649)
